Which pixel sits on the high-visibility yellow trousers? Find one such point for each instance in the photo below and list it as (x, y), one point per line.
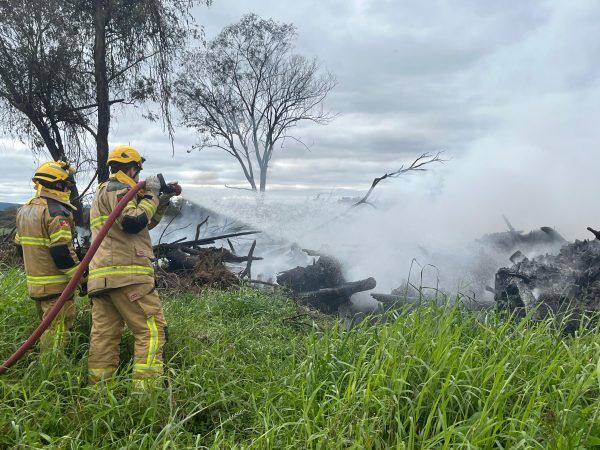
(138, 306)
(56, 336)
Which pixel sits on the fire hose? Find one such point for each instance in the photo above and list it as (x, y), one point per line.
(83, 265)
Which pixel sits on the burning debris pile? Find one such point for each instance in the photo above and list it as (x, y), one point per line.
(487, 254)
(185, 263)
(566, 285)
(322, 285)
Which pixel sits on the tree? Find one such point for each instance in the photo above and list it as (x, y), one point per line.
(42, 91)
(65, 64)
(41, 86)
(246, 92)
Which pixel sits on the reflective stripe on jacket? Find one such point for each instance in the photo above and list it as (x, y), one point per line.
(125, 255)
(45, 233)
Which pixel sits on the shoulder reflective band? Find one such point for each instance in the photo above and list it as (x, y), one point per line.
(120, 270)
(97, 222)
(61, 234)
(34, 240)
(49, 279)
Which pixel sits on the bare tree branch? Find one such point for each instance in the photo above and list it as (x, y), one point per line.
(247, 271)
(418, 165)
(200, 226)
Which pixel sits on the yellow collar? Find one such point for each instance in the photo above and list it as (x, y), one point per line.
(59, 196)
(122, 177)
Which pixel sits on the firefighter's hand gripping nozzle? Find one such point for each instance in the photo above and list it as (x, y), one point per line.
(172, 188)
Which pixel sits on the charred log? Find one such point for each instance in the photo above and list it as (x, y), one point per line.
(322, 285)
(179, 261)
(328, 300)
(325, 272)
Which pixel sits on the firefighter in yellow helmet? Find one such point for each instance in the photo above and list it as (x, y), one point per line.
(45, 238)
(121, 276)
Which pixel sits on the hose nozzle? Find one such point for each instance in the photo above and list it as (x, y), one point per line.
(168, 188)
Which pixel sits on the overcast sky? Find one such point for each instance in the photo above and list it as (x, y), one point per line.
(509, 90)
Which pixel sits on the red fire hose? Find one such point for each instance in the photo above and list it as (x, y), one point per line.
(68, 292)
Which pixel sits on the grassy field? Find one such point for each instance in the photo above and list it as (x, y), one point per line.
(245, 372)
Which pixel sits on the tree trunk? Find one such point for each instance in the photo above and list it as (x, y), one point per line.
(101, 18)
(77, 203)
(263, 177)
(250, 178)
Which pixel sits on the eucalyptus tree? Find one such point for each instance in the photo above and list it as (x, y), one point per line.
(44, 97)
(45, 100)
(65, 65)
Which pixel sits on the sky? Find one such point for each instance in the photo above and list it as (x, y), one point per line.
(508, 90)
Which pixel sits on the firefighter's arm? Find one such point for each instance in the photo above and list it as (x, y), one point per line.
(138, 213)
(164, 200)
(18, 247)
(61, 247)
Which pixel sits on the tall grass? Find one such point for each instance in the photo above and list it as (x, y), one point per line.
(245, 372)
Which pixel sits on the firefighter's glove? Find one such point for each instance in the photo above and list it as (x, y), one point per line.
(153, 185)
(164, 199)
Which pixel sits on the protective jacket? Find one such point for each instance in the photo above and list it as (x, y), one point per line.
(45, 236)
(125, 255)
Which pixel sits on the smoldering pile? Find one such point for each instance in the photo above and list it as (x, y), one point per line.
(486, 255)
(184, 264)
(566, 285)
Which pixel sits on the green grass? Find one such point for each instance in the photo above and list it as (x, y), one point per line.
(243, 375)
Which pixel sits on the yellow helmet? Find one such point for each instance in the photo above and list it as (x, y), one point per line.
(54, 171)
(125, 154)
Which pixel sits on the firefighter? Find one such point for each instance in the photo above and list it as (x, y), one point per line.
(121, 276)
(45, 239)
